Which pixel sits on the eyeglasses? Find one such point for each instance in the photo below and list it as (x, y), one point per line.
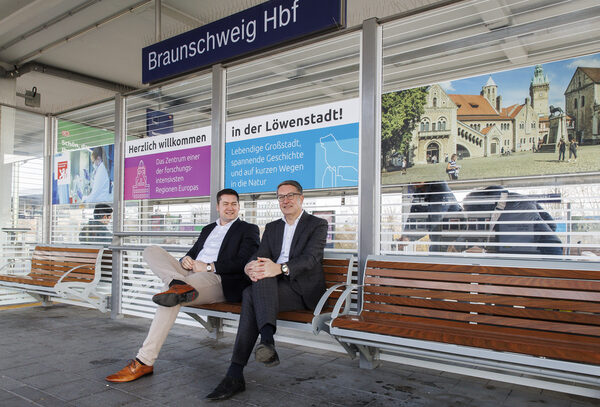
(289, 196)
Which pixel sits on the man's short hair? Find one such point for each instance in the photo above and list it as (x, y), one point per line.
(227, 191)
(293, 183)
(102, 210)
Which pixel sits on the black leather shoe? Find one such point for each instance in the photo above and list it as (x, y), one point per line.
(229, 386)
(266, 353)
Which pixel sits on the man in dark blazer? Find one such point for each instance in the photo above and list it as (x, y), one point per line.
(211, 271)
(286, 274)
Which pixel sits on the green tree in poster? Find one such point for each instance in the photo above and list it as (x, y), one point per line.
(400, 112)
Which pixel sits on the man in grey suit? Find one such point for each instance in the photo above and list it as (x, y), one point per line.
(286, 274)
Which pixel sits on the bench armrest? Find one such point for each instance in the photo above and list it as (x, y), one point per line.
(70, 271)
(342, 300)
(11, 262)
(325, 297)
(320, 321)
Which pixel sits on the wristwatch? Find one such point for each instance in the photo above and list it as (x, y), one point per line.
(285, 270)
(209, 268)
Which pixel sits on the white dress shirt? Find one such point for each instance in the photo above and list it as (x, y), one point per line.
(212, 245)
(288, 235)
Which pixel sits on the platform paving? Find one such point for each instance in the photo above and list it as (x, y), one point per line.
(59, 356)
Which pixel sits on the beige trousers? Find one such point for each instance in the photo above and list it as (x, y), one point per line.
(167, 268)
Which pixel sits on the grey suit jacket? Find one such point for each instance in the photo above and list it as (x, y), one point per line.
(306, 254)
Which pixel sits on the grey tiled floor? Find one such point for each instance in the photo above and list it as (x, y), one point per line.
(59, 356)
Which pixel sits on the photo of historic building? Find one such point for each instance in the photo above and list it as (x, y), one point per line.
(582, 101)
(478, 125)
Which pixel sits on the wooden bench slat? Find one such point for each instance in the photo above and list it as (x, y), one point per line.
(485, 288)
(483, 269)
(68, 256)
(488, 319)
(28, 280)
(335, 262)
(60, 271)
(66, 249)
(491, 279)
(481, 330)
(559, 346)
(335, 270)
(335, 278)
(584, 306)
(548, 314)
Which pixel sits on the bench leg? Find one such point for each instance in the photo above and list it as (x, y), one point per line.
(213, 325)
(350, 349)
(44, 299)
(369, 357)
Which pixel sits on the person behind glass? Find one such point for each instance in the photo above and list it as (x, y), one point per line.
(211, 271)
(101, 181)
(96, 230)
(562, 146)
(573, 149)
(286, 274)
(452, 168)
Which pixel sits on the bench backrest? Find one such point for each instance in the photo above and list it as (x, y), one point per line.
(336, 271)
(50, 263)
(549, 300)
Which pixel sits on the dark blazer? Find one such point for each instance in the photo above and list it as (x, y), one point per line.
(239, 244)
(306, 255)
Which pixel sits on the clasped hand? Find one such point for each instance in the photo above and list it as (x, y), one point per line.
(261, 268)
(195, 265)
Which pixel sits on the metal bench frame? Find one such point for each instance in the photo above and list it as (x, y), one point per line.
(66, 290)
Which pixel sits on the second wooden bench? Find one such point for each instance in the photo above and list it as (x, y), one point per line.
(338, 273)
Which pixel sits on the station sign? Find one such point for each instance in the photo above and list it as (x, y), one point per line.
(264, 26)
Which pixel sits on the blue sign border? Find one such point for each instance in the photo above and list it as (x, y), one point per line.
(258, 28)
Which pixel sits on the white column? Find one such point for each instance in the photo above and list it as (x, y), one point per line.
(8, 90)
(369, 191)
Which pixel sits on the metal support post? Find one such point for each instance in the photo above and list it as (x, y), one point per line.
(158, 20)
(217, 138)
(118, 209)
(50, 130)
(369, 183)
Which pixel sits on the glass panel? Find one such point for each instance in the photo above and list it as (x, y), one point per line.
(22, 172)
(308, 76)
(173, 223)
(491, 176)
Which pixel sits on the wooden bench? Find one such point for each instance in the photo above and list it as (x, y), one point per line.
(525, 316)
(71, 273)
(338, 273)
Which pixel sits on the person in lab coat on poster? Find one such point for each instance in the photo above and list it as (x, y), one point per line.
(100, 179)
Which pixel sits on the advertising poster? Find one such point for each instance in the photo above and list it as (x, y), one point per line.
(316, 146)
(537, 120)
(85, 175)
(77, 136)
(175, 165)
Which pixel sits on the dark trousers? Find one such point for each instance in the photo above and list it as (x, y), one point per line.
(261, 303)
(561, 155)
(572, 152)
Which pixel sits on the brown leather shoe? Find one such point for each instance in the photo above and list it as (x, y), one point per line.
(176, 294)
(133, 370)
